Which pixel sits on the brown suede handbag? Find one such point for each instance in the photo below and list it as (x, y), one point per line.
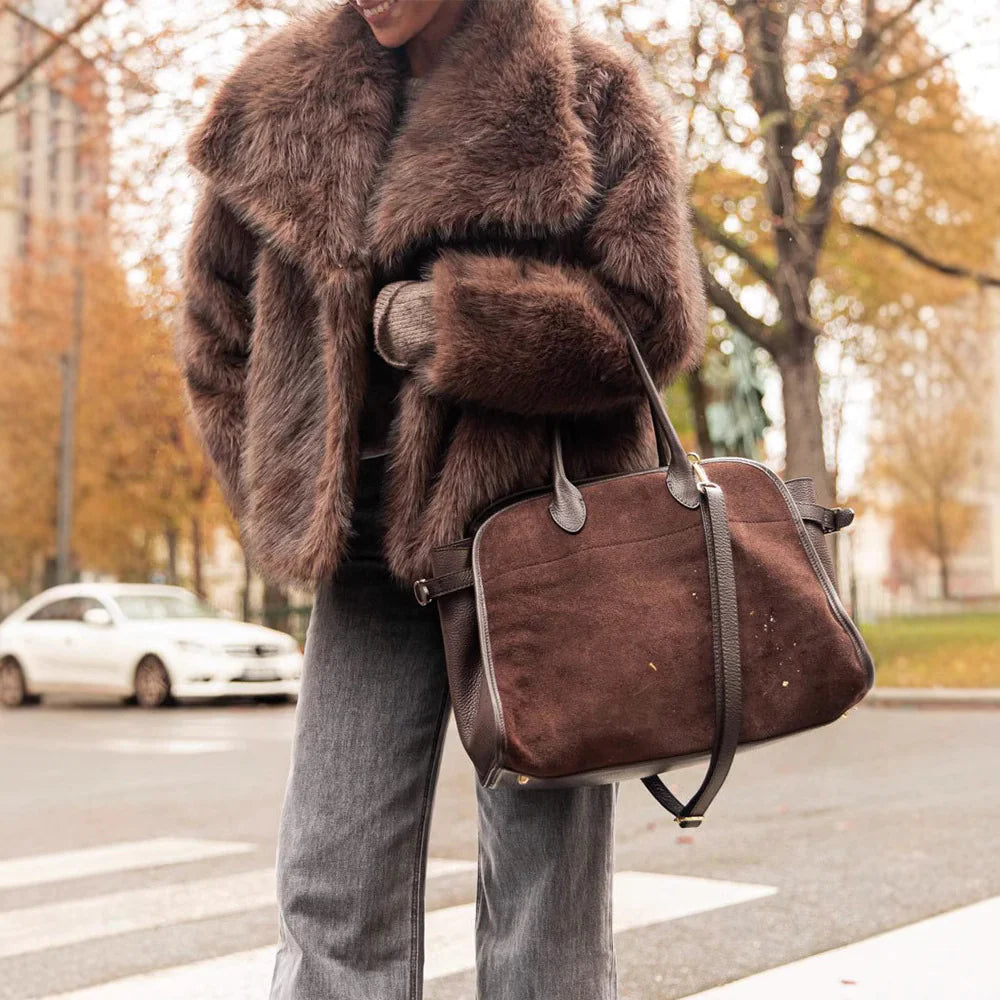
(632, 623)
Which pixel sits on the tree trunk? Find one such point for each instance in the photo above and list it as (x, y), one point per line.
(945, 577)
(276, 607)
(941, 548)
(196, 555)
(699, 403)
(247, 582)
(171, 535)
(804, 454)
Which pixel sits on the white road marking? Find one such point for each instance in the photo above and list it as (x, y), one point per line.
(54, 925)
(640, 900)
(41, 868)
(438, 867)
(245, 975)
(951, 955)
(168, 747)
(137, 746)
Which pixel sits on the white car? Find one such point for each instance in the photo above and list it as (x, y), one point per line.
(148, 642)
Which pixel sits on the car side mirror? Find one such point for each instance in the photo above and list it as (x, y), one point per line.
(97, 616)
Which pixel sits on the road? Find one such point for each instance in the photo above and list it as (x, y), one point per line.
(136, 856)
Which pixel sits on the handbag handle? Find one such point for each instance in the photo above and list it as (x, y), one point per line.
(568, 508)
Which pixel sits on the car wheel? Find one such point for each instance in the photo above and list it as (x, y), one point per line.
(13, 686)
(152, 683)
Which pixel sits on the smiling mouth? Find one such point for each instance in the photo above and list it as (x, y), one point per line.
(375, 10)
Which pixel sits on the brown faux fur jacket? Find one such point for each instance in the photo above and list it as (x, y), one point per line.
(531, 179)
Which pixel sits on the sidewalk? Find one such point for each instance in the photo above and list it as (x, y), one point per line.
(933, 697)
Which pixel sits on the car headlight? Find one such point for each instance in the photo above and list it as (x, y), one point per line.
(192, 646)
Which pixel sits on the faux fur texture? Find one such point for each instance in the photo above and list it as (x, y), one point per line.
(531, 177)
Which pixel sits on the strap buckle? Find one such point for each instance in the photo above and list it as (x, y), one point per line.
(422, 592)
(688, 821)
(699, 471)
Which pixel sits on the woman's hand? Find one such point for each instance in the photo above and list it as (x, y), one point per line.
(403, 321)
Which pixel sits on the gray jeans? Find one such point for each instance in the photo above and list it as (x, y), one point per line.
(352, 850)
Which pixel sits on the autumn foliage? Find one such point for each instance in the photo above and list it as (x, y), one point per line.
(139, 476)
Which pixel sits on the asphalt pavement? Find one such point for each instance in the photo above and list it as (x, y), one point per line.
(860, 860)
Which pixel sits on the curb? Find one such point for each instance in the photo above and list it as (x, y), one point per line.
(937, 697)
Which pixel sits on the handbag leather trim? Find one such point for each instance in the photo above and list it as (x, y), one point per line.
(486, 647)
(503, 776)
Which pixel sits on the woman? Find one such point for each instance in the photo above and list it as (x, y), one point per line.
(481, 179)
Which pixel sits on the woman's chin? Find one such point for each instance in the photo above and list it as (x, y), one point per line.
(391, 38)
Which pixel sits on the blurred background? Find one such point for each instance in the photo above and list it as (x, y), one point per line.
(845, 162)
(845, 159)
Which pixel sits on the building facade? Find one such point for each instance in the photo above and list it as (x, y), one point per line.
(54, 142)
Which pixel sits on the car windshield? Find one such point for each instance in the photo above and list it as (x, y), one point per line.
(160, 606)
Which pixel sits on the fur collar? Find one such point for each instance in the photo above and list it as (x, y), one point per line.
(302, 137)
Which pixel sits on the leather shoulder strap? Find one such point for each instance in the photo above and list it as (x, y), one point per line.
(726, 658)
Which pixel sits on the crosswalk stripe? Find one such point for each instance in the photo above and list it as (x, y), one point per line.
(139, 746)
(640, 899)
(54, 925)
(439, 867)
(169, 747)
(42, 868)
(245, 975)
(950, 955)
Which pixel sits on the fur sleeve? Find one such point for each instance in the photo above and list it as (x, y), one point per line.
(212, 340)
(535, 337)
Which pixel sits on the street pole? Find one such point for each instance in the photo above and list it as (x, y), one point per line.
(67, 424)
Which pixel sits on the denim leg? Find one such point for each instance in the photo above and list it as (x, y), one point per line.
(543, 908)
(353, 841)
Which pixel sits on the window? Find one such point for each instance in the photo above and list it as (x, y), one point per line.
(24, 235)
(55, 611)
(154, 607)
(80, 605)
(68, 609)
(54, 179)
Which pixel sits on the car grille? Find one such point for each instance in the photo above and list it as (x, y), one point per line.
(251, 649)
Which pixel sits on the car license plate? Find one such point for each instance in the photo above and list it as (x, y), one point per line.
(255, 673)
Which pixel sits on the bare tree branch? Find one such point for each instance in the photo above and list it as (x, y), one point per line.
(859, 63)
(757, 264)
(39, 26)
(915, 74)
(954, 270)
(757, 330)
(57, 42)
(886, 28)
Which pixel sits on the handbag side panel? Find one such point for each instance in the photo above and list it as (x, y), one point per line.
(476, 716)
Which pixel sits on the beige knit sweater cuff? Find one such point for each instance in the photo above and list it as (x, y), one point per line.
(403, 319)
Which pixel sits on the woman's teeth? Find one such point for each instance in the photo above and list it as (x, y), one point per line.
(379, 9)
